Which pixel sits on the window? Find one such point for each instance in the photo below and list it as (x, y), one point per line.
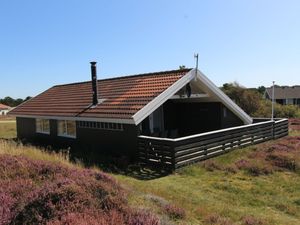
(66, 128)
(289, 101)
(42, 126)
(101, 125)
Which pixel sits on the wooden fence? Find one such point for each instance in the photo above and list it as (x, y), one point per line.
(178, 152)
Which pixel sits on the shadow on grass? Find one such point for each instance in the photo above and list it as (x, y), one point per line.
(116, 164)
(142, 171)
(122, 165)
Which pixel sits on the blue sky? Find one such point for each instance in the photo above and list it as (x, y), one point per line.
(43, 43)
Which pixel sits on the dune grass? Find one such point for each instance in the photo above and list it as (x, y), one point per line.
(7, 129)
(18, 149)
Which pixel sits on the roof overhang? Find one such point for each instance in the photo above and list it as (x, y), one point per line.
(90, 119)
(223, 98)
(208, 86)
(163, 97)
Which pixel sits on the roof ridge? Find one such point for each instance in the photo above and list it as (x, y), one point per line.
(284, 86)
(129, 76)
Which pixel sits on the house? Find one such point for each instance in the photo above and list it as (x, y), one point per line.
(284, 95)
(110, 114)
(4, 109)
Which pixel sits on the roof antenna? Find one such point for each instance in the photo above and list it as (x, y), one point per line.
(273, 91)
(196, 56)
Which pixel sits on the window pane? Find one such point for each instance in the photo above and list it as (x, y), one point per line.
(71, 128)
(46, 126)
(42, 125)
(61, 127)
(38, 124)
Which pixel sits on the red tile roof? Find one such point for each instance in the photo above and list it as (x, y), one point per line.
(2, 106)
(124, 96)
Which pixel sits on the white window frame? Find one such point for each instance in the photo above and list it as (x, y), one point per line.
(43, 126)
(289, 101)
(66, 126)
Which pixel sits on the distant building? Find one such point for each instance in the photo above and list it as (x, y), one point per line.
(285, 95)
(4, 109)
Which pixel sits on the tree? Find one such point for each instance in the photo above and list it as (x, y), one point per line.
(13, 102)
(248, 100)
(27, 98)
(261, 90)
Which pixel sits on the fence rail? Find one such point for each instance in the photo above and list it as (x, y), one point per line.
(178, 152)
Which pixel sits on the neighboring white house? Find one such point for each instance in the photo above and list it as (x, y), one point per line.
(4, 109)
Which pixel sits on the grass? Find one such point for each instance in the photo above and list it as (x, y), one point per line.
(7, 129)
(222, 190)
(271, 199)
(217, 192)
(18, 149)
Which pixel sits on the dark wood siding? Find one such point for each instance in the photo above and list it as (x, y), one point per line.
(25, 128)
(90, 141)
(229, 119)
(192, 118)
(109, 141)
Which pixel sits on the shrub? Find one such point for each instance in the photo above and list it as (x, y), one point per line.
(143, 218)
(230, 169)
(210, 165)
(283, 160)
(217, 220)
(297, 202)
(252, 102)
(248, 100)
(280, 111)
(242, 164)
(251, 220)
(174, 211)
(40, 192)
(288, 209)
(254, 168)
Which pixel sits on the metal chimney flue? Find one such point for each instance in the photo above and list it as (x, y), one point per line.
(94, 83)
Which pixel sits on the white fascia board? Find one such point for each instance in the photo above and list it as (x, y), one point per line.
(163, 97)
(231, 105)
(192, 96)
(88, 119)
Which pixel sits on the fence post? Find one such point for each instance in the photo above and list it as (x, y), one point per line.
(172, 146)
(273, 130)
